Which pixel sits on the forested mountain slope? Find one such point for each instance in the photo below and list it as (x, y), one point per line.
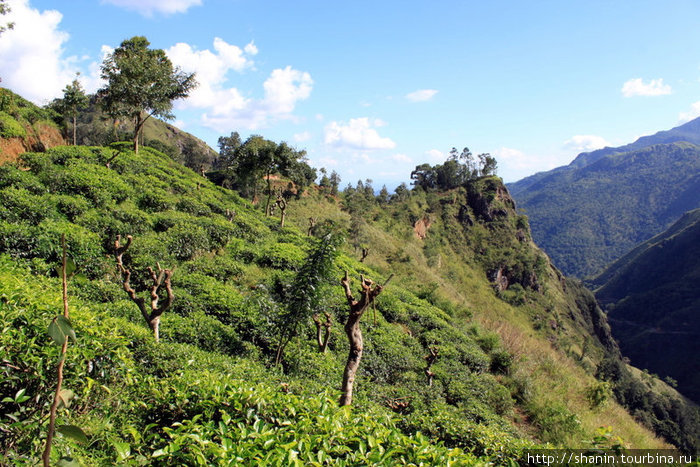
(652, 298)
(585, 217)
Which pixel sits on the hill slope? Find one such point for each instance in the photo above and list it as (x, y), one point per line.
(585, 217)
(652, 299)
(25, 127)
(201, 393)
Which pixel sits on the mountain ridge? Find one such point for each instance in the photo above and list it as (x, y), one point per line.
(585, 217)
(689, 132)
(651, 298)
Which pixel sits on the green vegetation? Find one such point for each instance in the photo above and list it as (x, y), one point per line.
(141, 83)
(73, 101)
(477, 349)
(652, 299)
(587, 215)
(21, 119)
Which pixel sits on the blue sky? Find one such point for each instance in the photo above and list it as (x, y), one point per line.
(372, 89)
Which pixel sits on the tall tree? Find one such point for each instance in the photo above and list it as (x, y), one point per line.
(74, 99)
(141, 83)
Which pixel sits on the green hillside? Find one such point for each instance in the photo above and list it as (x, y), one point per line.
(95, 128)
(209, 390)
(25, 127)
(586, 217)
(652, 300)
(476, 349)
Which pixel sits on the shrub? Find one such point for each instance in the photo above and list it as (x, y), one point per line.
(71, 206)
(192, 206)
(19, 205)
(153, 201)
(186, 240)
(281, 256)
(10, 128)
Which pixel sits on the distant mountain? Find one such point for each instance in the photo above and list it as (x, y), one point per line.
(689, 132)
(589, 213)
(653, 302)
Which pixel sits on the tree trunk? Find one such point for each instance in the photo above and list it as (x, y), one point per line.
(354, 333)
(321, 338)
(137, 130)
(151, 313)
(154, 324)
(269, 194)
(75, 118)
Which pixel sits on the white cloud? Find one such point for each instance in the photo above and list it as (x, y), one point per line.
(514, 164)
(284, 88)
(32, 54)
(363, 158)
(692, 114)
(357, 134)
(148, 7)
(92, 81)
(401, 158)
(421, 95)
(251, 49)
(227, 107)
(435, 155)
(637, 87)
(514, 159)
(302, 137)
(328, 161)
(585, 143)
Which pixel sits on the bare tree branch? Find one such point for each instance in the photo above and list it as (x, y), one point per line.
(151, 313)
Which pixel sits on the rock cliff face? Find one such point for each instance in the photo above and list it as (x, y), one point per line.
(514, 263)
(44, 137)
(40, 137)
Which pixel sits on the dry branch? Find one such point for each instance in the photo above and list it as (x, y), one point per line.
(151, 312)
(320, 325)
(430, 358)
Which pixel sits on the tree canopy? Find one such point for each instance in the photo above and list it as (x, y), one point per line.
(142, 82)
(458, 169)
(74, 99)
(245, 165)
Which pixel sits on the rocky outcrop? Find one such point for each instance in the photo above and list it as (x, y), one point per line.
(421, 226)
(40, 137)
(491, 200)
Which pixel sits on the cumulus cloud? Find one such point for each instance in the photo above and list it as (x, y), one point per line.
(514, 164)
(435, 155)
(357, 134)
(226, 107)
(637, 87)
(149, 7)
(284, 88)
(513, 159)
(32, 54)
(692, 114)
(421, 95)
(585, 143)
